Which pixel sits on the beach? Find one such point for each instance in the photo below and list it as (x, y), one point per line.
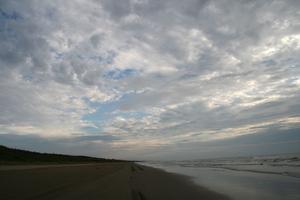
(107, 181)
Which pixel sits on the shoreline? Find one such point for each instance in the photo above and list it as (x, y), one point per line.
(108, 181)
(157, 184)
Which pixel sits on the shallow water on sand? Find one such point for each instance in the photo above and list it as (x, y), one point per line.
(240, 178)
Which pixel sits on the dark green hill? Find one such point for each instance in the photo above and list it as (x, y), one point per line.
(16, 156)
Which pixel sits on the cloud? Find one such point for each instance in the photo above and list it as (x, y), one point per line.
(148, 74)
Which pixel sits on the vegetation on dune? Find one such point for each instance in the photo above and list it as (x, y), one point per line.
(11, 156)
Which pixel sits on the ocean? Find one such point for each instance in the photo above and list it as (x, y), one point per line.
(274, 177)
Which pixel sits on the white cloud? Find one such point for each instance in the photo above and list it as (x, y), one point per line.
(206, 67)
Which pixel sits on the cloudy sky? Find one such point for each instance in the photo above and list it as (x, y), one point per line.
(150, 79)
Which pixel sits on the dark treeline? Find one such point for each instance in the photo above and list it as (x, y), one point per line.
(11, 156)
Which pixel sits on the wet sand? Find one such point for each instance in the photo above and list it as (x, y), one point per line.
(105, 181)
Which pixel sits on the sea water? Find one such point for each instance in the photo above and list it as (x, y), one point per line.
(248, 178)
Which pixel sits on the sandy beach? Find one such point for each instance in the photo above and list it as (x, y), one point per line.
(105, 181)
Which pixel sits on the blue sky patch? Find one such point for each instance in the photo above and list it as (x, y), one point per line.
(9, 15)
(105, 112)
(117, 74)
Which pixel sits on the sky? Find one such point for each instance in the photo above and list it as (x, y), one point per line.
(150, 79)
